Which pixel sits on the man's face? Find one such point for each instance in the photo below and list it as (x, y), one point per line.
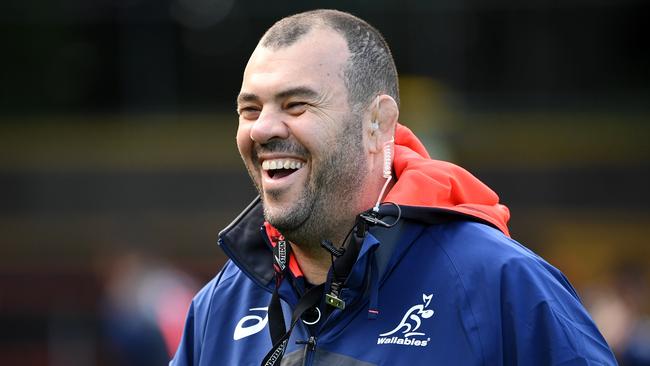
(300, 142)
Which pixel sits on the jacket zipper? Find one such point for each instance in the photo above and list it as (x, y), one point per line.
(308, 354)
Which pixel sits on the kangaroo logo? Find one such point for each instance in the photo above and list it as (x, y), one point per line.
(409, 325)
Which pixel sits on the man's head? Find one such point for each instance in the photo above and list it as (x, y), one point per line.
(310, 91)
(370, 70)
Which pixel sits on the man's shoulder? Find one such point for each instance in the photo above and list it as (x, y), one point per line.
(229, 279)
(227, 273)
(218, 316)
(468, 242)
(482, 257)
(217, 295)
(480, 253)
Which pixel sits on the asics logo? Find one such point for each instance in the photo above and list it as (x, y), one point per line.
(243, 330)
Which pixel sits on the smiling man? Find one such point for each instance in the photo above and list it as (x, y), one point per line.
(303, 143)
(360, 249)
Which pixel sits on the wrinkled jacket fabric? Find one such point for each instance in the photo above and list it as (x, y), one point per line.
(452, 288)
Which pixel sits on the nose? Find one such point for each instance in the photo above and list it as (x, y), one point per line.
(269, 125)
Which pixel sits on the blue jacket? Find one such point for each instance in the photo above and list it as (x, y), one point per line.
(450, 288)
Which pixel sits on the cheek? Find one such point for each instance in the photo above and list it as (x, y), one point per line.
(313, 137)
(244, 142)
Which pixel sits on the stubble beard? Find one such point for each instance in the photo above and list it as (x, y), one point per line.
(329, 201)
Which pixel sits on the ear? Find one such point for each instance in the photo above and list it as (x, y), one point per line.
(383, 119)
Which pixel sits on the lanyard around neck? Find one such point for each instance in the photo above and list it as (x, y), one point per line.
(279, 334)
(341, 267)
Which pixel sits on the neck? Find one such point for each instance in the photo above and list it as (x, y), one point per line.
(313, 263)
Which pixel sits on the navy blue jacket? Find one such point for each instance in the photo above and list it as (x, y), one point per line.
(450, 288)
(453, 293)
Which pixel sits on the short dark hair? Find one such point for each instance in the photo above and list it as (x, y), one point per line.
(370, 69)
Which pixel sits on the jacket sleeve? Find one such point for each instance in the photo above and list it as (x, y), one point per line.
(543, 321)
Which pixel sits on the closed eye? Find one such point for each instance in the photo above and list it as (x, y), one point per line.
(296, 108)
(250, 113)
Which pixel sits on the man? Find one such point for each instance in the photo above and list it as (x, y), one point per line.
(428, 277)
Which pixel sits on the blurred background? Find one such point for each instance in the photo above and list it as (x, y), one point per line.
(118, 163)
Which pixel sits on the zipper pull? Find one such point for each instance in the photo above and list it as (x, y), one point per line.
(311, 343)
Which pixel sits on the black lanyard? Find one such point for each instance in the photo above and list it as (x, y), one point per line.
(279, 334)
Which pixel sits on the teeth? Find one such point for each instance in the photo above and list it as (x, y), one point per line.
(282, 164)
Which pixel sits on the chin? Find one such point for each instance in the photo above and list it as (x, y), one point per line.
(275, 210)
(275, 200)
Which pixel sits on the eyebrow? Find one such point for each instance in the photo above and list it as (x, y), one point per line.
(300, 91)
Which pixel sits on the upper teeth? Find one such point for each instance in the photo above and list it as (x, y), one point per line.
(282, 164)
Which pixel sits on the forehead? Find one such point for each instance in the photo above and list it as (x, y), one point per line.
(316, 60)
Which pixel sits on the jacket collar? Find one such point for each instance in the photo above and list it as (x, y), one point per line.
(243, 242)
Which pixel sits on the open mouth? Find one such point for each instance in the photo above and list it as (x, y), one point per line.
(280, 168)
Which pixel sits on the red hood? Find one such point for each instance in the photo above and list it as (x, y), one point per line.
(424, 182)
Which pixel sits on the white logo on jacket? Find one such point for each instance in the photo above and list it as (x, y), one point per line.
(409, 326)
(242, 331)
